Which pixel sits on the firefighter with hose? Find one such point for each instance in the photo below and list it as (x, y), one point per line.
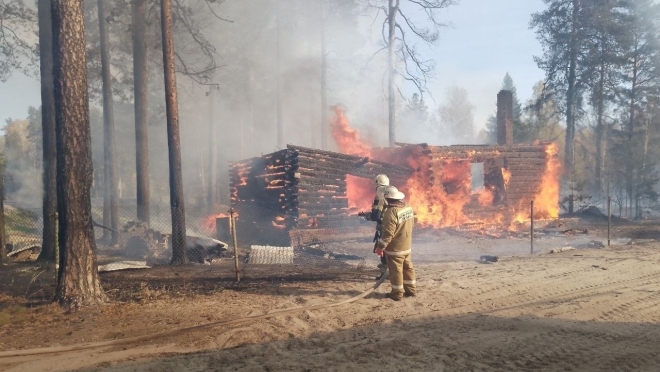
(396, 243)
(382, 182)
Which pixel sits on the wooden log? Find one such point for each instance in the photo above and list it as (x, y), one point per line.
(487, 148)
(356, 159)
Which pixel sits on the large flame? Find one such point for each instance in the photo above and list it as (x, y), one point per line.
(440, 191)
(360, 193)
(348, 139)
(546, 201)
(440, 204)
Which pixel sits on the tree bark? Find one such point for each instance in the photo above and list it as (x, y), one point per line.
(570, 100)
(213, 152)
(78, 284)
(140, 81)
(391, 71)
(49, 203)
(310, 78)
(638, 195)
(280, 124)
(631, 129)
(599, 124)
(110, 183)
(324, 89)
(173, 140)
(3, 236)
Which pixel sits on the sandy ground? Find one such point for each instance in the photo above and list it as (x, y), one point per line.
(588, 309)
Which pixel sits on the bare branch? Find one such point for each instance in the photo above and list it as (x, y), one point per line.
(208, 3)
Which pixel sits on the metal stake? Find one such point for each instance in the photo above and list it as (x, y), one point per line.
(233, 236)
(531, 235)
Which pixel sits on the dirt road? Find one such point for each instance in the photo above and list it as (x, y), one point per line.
(582, 310)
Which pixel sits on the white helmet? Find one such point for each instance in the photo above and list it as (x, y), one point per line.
(393, 193)
(382, 180)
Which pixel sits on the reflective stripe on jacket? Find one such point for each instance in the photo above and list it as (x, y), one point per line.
(398, 221)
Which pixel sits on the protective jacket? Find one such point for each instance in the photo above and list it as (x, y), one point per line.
(398, 221)
(378, 204)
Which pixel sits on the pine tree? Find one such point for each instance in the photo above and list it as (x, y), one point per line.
(561, 30)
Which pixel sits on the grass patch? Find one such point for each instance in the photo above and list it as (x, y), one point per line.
(13, 314)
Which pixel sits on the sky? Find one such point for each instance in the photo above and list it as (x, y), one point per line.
(486, 39)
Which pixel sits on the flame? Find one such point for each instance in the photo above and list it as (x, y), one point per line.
(439, 205)
(486, 197)
(347, 139)
(440, 190)
(520, 217)
(506, 176)
(360, 193)
(546, 201)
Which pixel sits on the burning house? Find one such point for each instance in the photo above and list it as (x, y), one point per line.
(300, 195)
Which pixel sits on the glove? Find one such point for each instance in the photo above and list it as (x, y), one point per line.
(379, 252)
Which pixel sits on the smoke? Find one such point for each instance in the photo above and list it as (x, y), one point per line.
(262, 60)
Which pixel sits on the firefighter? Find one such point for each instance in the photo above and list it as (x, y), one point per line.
(396, 244)
(382, 182)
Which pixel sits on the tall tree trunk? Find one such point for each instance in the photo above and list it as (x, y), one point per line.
(106, 237)
(140, 81)
(173, 139)
(391, 71)
(570, 101)
(280, 124)
(631, 129)
(599, 124)
(213, 153)
(78, 283)
(647, 135)
(324, 89)
(110, 182)
(250, 102)
(3, 236)
(49, 241)
(310, 78)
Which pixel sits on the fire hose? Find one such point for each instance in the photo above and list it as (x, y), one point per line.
(178, 331)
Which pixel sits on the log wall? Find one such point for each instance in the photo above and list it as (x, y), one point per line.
(300, 188)
(525, 163)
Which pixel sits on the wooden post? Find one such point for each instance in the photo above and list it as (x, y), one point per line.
(609, 218)
(531, 235)
(232, 222)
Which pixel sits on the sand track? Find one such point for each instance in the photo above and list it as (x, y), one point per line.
(585, 310)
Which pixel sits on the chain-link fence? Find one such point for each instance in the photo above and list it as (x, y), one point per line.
(135, 260)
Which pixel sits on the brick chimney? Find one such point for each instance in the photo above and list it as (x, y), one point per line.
(505, 117)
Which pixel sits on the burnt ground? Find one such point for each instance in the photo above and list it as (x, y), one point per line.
(573, 310)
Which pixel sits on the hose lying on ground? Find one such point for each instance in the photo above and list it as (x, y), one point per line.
(178, 331)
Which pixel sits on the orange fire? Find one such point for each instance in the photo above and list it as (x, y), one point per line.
(440, 190)
(486, 197)
(348, 139)
(360, 193)
(441, 204)
(545, 202)
(506, 176)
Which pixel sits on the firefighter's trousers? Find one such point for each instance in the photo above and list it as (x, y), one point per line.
(402, 275)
